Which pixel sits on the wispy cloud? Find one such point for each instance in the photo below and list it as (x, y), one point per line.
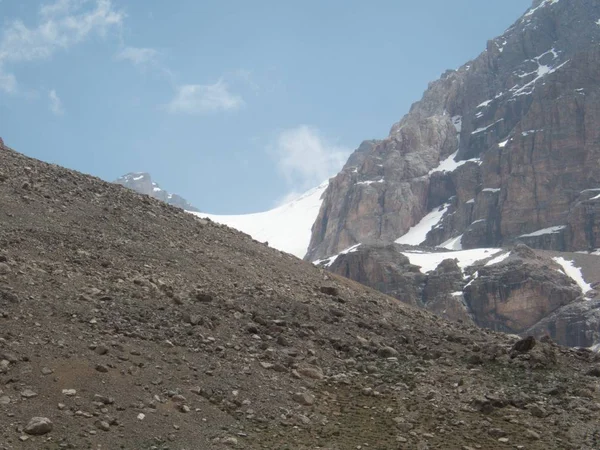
(204, 99)
(138, 56)
(306, 158)
(61, 25)
(56, 105)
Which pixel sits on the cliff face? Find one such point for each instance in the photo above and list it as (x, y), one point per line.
(511, 141)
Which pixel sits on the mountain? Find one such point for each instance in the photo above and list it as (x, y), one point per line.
(500, 158)
(286, 228)
(510, 141)
(142, 182)
(128, 323)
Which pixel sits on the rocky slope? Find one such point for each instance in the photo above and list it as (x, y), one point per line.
(142, 182)
(128, 323)
(510, 140)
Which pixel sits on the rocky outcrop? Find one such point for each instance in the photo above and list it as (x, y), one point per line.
(510, 140)
(514, 295)
(385, 268)
(523, 292)
(142, 182)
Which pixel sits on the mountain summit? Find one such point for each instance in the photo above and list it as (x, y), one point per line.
(142, 182)
(510, 142)
(494, 176)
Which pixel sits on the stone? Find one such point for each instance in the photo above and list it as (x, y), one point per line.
(103, 425)
(524, 345)
(387, 352)
(315, 373)
(28, 393)
(39, 426)
(594, 372)
(101, 368)
(230, 441)
(303, 398)
(533, 435)
(329, 290)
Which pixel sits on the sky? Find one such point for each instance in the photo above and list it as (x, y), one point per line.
(236, 105)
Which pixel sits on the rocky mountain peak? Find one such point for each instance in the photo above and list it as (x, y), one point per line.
(508, 140)
(142, 182)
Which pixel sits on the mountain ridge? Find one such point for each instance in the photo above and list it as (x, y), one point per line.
(142, 182)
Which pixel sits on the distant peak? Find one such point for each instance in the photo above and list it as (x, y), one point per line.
(142, 182)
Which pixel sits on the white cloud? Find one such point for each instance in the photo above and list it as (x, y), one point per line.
(306, 158)
(138, 56)
(8, 82)
(62, 25)
(203, 99)
(56, 105)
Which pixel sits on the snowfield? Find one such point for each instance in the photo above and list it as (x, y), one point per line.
(286, 228)
(429, 261)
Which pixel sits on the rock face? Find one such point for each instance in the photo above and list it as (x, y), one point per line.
(525, 292)
(510, 140)
(142, 182)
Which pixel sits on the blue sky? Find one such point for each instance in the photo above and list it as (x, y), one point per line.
(233, 104)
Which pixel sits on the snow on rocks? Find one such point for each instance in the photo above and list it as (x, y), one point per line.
(498, 259)
(417, 234)
(550, 230)
(329, 261)
(453, 243)
(429, 261)
(573, 272)
(450, 164)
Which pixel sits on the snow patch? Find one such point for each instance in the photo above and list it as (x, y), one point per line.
(450, 165)
(481, 130)
(503, 143)
(543, 231)
(329, 261)
(491, 190)
(498, 259)
(429, 261)
(417, 234)
(574, 273)
(287, 227)
(544, 3)
(453, 244)
(369, 182)
(457, 294)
